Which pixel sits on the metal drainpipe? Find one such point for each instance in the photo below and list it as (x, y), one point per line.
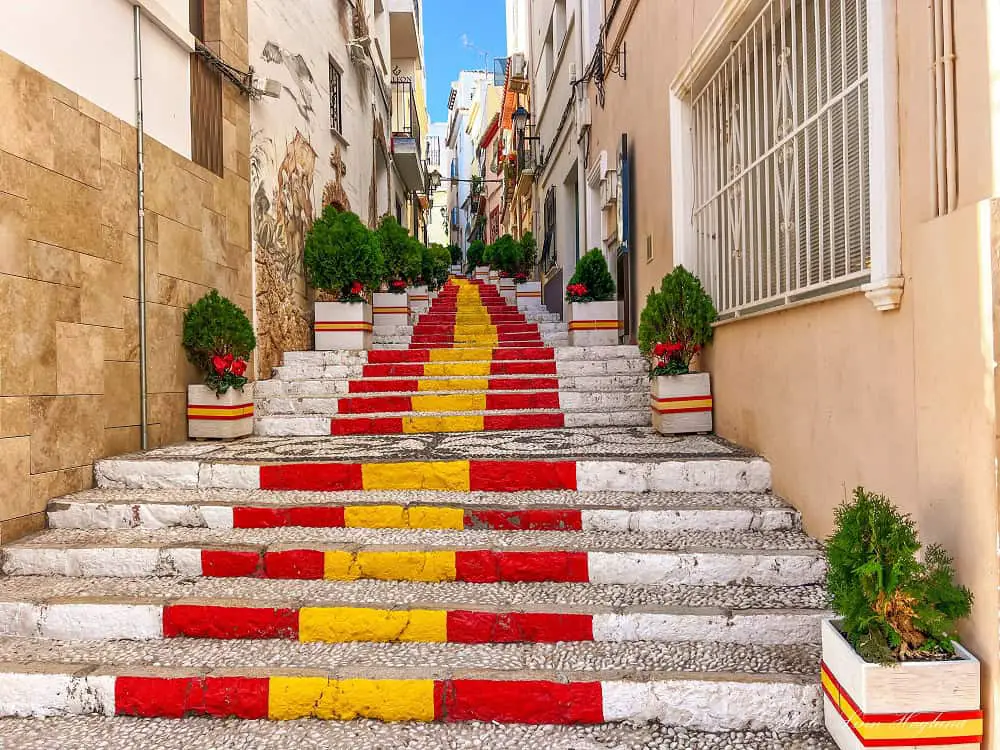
(141, 204)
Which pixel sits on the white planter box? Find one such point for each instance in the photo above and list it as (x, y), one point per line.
(508, 290)
(495, 278)
(482, 274)
(457, 270)
(418, 299)
(911, 703)
(343, 325)
(681, 403)
(390, 310)
(227, 416)
(592, 323)
(529, 294)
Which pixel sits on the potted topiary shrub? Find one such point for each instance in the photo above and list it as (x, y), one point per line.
(528, 293)
(456, 259)
(475, 254)
(892, 672)
(675, 325)
(507, 258)
(403, 258)
(218, 338)
(437, 268)
(343, 262)
(592, 313)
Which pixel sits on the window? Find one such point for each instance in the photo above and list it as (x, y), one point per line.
(336, 113)
(549, 222)
(548, 56)
(780, 205)
(495, 224)
(559, 24)
(206, 100)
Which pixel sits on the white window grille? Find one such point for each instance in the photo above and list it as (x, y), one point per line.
(780, 204)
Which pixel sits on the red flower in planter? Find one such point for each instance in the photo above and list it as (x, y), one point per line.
(520, 277)
(357, 288)
(239, 367)
(220, 364)
(577, 290)
(229, 360)
(398, 284)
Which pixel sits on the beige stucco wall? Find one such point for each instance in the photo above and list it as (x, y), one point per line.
(834, 393)
(69, 372)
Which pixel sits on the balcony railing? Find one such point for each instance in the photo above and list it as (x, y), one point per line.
(405, 121)
(434, 151)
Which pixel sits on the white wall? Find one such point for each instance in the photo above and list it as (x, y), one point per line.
(87, 46)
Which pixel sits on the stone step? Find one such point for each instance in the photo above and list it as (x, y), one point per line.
(426, 402)
(766, 558)
(564, 683)
(72, 733)
(535, 511)
(562, 368)
(110, 609)
(624, 459)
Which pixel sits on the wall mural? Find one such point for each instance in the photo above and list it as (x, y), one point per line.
(282, 218)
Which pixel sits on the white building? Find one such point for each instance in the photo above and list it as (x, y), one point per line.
(439, 160)
(464, 93)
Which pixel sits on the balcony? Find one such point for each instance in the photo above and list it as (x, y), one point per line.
(404, 29)
(406, 136)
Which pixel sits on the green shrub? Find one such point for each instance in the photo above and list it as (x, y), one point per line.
(474, 255)
(218, 338)
(529, 253)
(505, 255)
(340, 253)
(678, 319)
(436, 263)
(591, 282)
(456, 254)
(892, 606)
(403, 253)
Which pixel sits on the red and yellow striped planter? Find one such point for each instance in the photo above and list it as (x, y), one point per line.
(681, 403)
(592, 323)
(342, 325)
(481, 274)
(928, 705)
(418, 298)
(224, 417)
(528, 294)
(390, 310)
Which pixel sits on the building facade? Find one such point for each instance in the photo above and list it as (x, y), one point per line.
(71, 355)
(465, 92)
(836, 187)
(439, 159)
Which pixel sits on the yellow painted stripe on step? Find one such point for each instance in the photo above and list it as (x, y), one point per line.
(450, 402)
(456, 369)
(346, 700)
(413, 475)
(453, 384)
(351, 624)
(473, 329)
(394, 565)
(458, 423)
(402, 517)
(465, 355)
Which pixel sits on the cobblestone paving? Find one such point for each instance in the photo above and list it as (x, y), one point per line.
(585, 597)
(560, 661)
(579, 442)
(94, 733)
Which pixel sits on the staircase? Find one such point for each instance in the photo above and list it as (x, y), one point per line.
(562, 587)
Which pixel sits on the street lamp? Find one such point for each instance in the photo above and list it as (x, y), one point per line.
(434, 181)
(520, 121)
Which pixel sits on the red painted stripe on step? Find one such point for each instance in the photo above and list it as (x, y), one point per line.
(367, 426)
(374, 404)
(539, 519)
(392, 371)
(494, 422)
(323, 517)
(515, 367)
(523, 384)
(217, 563)
(522, 702)
(174, 698)
(383, 386)
(314, 477)
(517, 627)
(532, 400)
(392, 356)
(199, 621)
(515, 476)
(298, 564)
(543, 352)
(488, 566)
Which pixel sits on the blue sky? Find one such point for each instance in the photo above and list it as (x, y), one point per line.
(456, 34)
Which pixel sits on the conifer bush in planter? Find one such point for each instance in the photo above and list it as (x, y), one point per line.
(344, 264)
(476, 263)
(675, 325)
(592, 312)
(403, 264)
(218, 338)
(892, 671)
(528, 293)
(436, 266)
(507, 257)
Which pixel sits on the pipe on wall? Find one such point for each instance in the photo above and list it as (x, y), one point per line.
(141, 210)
